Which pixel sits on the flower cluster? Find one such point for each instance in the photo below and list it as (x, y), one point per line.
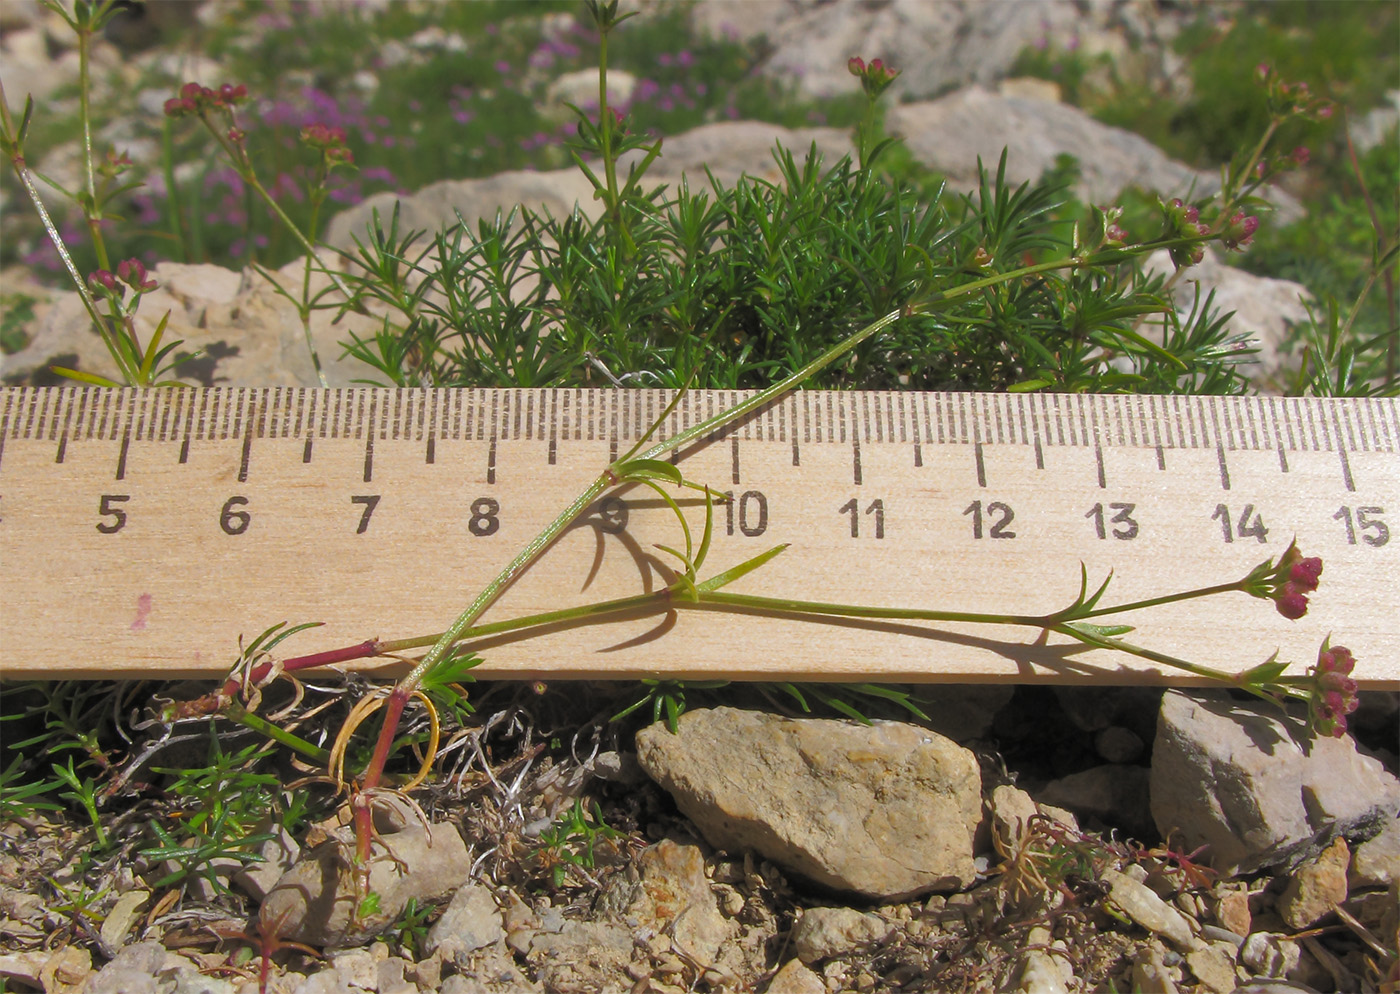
(1295, 578)
(1181, 220)
(874, 78)
(196, 99)
(330, 141)
(131, 272)
(1238, 230)
(1292, 99)
(1332, 692)
(1113, 234)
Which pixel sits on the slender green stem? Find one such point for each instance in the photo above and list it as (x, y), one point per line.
(724, 599)
(1184, 595)
(21, 169)
(248, 719)
(492, 590)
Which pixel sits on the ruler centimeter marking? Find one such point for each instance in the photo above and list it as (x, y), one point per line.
(232, 517)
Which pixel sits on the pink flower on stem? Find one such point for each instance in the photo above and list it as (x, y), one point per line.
(101, 279)
(1332, 695)
(1291, 581)
(874, 77)
(1239, 230)
(132, 272)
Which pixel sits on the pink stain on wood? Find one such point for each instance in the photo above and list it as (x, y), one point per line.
(143, 611)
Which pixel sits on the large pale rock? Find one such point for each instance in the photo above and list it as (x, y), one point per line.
(1254, 789)
(935, 45)
(729, 148)
(246, 332)
(825, 932)
(886, 811)
(666, 890)
(437, 205)
(1263, 308)
(951, 133)
(315, 900)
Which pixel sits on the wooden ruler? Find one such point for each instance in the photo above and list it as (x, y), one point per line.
(142, 533)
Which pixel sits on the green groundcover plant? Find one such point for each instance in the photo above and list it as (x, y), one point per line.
(837, 274)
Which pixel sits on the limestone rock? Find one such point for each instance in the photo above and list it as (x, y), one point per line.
(729, 148)
(886, 811)
(666, 890)
(1139, 903)
(1270, 954)
(796, 978)
(1316, 887)
(315, 900)
(583, 957)
(1241, 782)
(1264, 308)
(1115, 795)
(470, 921)
(935, 45)
(149, 968)
(1150, 973)
(951, 133)
(1376, 862)
(822, 933)
(247, 333)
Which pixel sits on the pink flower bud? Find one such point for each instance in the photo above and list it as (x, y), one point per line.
(855, 65)
(1305, 572)
(1291, 602)
(133, 273)
(191, 91)
(102, 279)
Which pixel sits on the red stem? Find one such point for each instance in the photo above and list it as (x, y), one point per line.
(393, 710)
(369, 647)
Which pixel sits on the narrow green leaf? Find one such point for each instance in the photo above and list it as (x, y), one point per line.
(747, 566)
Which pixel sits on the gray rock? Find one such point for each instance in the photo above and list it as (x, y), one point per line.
(795, 978)
(1316, 888)
(729, 148)
(584, 957)
(950, 134)
(1011, 809)
(822, 933)
(148, 968)
(1376, 862)
(435, 206)
(1270, 954)
(935, 45)
(1115, 795)
(314, 902)
(1144, 907)
(666, 890)
(886, 811)
(1150, 974)
(470, 921)
(1119, 745)
(963, 712)
(1243, 783)
(248, 334)
(278, 854)
(1263, 308)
